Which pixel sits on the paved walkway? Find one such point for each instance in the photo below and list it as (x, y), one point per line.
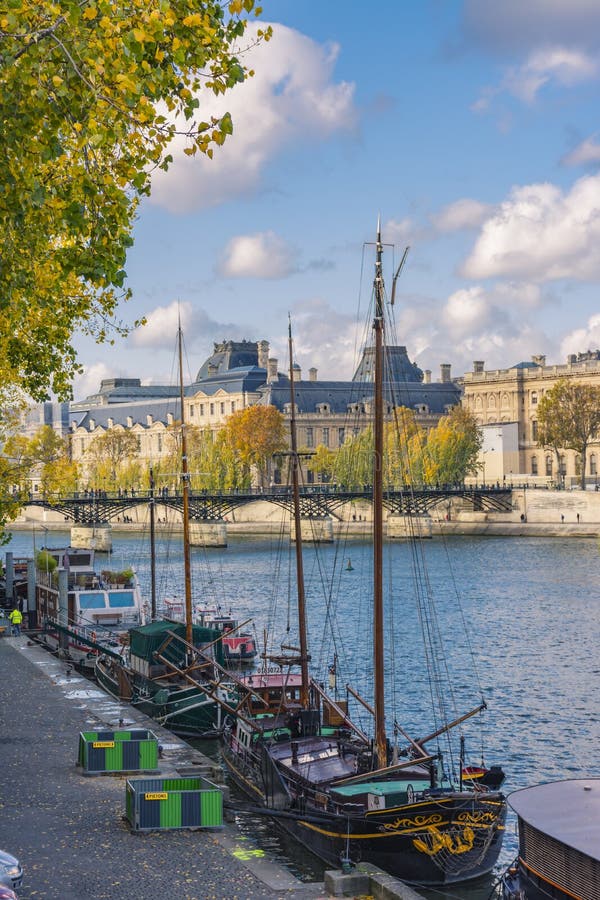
(68, 829)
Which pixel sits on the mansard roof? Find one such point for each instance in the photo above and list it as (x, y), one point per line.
(137, 412)
(398, 366)
(244, 379)
(339, 395)
(125, 390)
(229, 355)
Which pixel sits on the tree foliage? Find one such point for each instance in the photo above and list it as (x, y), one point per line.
(110, 455)
(569, 418)
(90, 95)
(255, 434)
(452, 448)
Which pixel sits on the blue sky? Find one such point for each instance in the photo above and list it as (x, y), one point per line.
(471, 127)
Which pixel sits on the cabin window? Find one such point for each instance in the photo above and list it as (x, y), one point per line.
(92, 600)
(120, 600)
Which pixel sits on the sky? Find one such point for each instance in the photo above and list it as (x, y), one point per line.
(471, 127)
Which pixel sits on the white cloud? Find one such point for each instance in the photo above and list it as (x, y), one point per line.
(462, 214)
(466, 311)
(559, 65)
(161, 325)
(541, 234)
(262, 255)
(586, 153)
(323, 338)
(581, 339)
(89, 381)
(292, 97)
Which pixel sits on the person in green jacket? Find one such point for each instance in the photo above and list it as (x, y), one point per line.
(15, 618)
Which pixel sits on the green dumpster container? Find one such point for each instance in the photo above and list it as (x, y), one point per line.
(118, 751)
(153, 804)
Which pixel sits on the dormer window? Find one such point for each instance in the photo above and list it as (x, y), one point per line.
(323, 408)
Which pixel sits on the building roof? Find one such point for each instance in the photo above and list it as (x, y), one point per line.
(229, 355)
(138, 412)
(125, 390)
(243, 379)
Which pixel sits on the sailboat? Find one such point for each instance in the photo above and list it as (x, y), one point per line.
(174, 671)
(342, 793)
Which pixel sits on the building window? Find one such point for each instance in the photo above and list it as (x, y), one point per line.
(534, 430)
(201, 410)
(310, 477)
(326, 437)
(191, 411)
(548, 464)
(562, 465)
(310, 440)
(578, 464)
(233, 406)
(159, 442)
(491, 402)
(341, 436)
(478, 402)
(82, 445)
(534, 398)
(534, 465)
(593, 465)
(222, 409)
(139, 443)
(212, 409)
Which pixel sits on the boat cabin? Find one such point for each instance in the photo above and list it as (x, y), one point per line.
(559, 841)
(279, 692)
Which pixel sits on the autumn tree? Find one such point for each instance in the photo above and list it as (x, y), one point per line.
(110, 454)
(323, 463)
(256, 434)
(569, 418)
(452, 448)
(92, 93)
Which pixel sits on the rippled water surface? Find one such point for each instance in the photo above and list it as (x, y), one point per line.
(518, 619)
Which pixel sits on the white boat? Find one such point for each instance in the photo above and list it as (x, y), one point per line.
(84, 611)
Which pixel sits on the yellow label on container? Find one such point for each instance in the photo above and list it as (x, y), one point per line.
(97, 745)
(157, 796)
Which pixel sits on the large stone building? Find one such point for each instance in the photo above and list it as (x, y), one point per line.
(501, 396)
(240, 374)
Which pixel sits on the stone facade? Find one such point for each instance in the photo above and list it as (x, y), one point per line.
(500, 396)
(240, 374)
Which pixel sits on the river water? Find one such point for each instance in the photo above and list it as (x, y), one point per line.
(520, 618)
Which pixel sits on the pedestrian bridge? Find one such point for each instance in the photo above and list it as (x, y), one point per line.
(316, 501)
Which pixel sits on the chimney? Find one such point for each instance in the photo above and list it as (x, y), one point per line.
(427, 376)
(92, 424)
(539, 360)
(272, 370)
(110, 422)
(312, 374)
(478, 366)
(149, 419)
(445, 373)
(297, 372)
(263, 354)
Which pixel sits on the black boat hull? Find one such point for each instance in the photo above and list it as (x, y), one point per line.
(447, 840)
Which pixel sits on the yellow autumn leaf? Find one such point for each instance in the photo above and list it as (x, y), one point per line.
(90, 13)
(191, 21)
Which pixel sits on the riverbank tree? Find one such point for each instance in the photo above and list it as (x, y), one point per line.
(92, 93)
(569, 418)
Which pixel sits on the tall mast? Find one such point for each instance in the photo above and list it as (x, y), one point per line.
(185, 481)
(298, 528)
(378, 644)
(152, 548)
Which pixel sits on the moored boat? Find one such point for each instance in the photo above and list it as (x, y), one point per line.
(345, 795)
(87, 611)
(559, 842)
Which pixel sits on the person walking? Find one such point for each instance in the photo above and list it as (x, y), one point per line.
(15, 618)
